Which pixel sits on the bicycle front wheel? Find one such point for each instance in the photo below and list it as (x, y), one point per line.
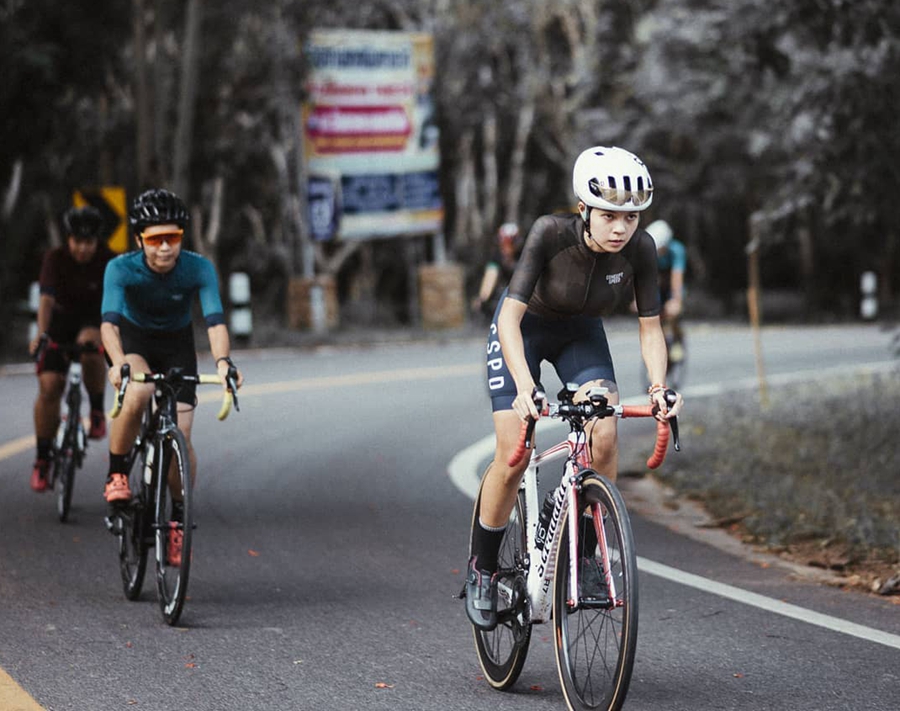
(502, 651)
(133, 529)
(173, 562)
(596, 634)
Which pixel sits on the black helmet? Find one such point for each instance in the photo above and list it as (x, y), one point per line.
(83, 222)
(157, 207)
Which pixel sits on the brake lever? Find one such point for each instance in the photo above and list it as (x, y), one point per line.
(231, 382)
(671, 399)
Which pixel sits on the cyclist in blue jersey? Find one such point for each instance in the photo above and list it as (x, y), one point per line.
(672, 262)
(146, 322)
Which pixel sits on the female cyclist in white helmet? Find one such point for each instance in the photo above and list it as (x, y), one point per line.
(574, 269)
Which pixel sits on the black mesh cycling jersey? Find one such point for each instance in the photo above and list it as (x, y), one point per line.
(559, 276)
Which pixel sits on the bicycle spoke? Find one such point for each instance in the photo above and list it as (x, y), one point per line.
(595, 644)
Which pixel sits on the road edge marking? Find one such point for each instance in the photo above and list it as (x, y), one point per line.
(835, 624)
(13, 697)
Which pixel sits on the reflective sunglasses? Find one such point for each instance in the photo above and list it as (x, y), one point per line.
(170, 238)
(619, 196)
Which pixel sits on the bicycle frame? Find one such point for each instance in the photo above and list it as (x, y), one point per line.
(542, 562)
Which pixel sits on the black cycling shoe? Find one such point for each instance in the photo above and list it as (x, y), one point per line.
(481, 597)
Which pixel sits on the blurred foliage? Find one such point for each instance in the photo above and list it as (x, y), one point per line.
(786, 110)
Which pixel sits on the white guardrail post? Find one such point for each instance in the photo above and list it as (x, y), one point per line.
(241, 319)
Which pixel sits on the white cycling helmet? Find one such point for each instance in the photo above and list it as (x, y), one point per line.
(661, 233)
(613, 179)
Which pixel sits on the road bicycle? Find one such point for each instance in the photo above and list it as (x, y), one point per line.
(145, 522)
(550, 569)
(70, 443)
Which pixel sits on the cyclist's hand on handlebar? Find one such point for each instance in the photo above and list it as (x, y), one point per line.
(525, 406)
(666, 410)
(227, 370)
(115, 375)
(36, 344)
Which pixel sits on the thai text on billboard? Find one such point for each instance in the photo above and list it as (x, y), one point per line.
(368, 128)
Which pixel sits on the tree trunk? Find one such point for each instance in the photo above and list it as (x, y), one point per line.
(516, 184)
(142, 101)
(159, 168)
(490, 198)
(807, 267)
(187, 99)
(11, 195)
(466, 206)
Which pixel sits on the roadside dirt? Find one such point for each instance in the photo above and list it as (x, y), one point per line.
(810, 482)
(812, 560)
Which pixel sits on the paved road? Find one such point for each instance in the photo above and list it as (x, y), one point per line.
(330, 542)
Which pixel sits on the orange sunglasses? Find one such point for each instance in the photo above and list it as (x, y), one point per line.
(170, 238)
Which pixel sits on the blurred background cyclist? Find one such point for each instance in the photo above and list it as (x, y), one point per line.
(499, 269)
(71, 283)
(672, 261)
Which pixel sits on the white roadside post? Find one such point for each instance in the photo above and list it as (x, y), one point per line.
(868, 304)
(34, 300)
(241, 319)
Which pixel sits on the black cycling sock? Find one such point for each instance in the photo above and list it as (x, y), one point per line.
(587, 538)
(117, 463)
(96, 401)
(44, 445)
(178, 511)
(486, 545)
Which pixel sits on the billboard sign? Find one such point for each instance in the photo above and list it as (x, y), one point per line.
(369, 130)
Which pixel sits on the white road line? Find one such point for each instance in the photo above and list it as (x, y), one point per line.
(463, 471)
(769, 604)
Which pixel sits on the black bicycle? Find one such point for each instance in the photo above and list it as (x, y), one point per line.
(70, 442)
(161, 506)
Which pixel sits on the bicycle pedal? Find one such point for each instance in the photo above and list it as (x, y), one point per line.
(113, 524)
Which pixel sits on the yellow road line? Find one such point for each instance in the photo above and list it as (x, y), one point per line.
(13, 697)
(342, 381)
(14, 447)
(17, 446)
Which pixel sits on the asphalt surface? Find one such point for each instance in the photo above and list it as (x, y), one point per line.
(330, 543)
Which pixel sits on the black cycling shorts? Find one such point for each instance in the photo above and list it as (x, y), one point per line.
(576, 347)
(64, 330)
(164, 350)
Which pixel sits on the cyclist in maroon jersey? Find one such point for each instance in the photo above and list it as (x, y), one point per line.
(499, 268)
(71, 284)
(574, 269)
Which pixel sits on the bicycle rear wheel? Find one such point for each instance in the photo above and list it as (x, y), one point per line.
(133, 527)
(595, 640)
(502, 651)
(67, 460)
(172, 580)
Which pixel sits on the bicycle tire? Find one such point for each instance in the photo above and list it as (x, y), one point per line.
(502, 651)
(172, 580)
(595, 645)
(70, 456)
(134, 543)
(65, 464)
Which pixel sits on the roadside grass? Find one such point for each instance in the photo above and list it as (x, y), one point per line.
(815, 476)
